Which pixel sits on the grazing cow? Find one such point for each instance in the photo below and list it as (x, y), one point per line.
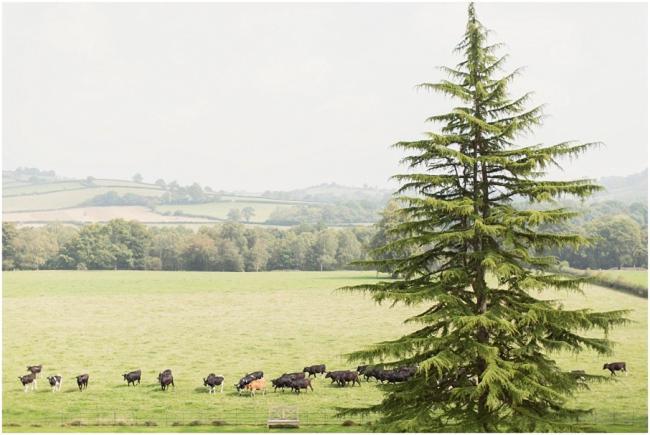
(344, 377)
(213, 381)
(55, 382)
(334, 376)
(411, 370)
(166, 379)
(399, 374)
(256, 385)
(82, 381)
(394, 376)
(35, 370)
(300, 383)
(284, 381)
(247, 379)
(297, 375)
(131, 377)
(28, 380)
(313, 370)
(615, 367)
(165, 372)
(351, 376)
(372, 372)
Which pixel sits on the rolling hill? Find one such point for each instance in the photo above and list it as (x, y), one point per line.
(33, 197)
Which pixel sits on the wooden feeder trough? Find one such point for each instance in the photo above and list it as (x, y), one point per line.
(283, 417)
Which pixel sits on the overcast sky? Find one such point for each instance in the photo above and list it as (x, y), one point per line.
(265, 96)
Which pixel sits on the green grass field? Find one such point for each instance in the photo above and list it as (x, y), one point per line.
(12, 190)
(64, 199)
(105, 323)
(220, 210)
(638, 277)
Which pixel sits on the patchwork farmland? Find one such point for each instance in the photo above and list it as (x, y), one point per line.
(108, 323)
(93, 200)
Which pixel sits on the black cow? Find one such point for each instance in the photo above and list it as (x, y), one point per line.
(411, 370)
(35, 370)
(394, 376)
(213, 381)
(297, 375)
(165, 372)
(334, 375)
(372, 372)
(314, 370)
(615, 367)
(166, 379)
(82, 381)
(344, 377)
(55, 382)
(247, 379)
(300, 383)
(284, 381)
(131, 377)
(361, 369)
(28, 380)
(400, 374)
(351, 376)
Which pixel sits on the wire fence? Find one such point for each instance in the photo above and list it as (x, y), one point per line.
(166, 418)
(617, 420)
(627, 421)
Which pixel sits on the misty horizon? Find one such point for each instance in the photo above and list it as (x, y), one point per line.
(244, 97)
(152, 180)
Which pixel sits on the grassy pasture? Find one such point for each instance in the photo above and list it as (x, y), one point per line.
(638, 277)
(96, 214)
(220, 210)
(105, 323)
(65, 199)
(27, 189)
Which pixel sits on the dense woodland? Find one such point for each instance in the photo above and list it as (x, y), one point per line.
(619, 235)
(231, 246)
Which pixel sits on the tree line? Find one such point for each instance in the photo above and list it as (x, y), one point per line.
(618, 234)
(130, 245)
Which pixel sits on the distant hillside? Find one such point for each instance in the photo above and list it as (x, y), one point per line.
(631, 188)
(33, 197)
(332, 193)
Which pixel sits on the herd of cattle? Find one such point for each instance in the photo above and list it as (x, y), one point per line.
(254, 382)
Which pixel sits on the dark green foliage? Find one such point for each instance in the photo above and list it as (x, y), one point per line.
(116, 245)
(9, 234)
(484, 345)
(226, 247)
(619, 236)
(114, 198)
(332, 214)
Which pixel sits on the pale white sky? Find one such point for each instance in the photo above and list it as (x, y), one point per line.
(281, 96)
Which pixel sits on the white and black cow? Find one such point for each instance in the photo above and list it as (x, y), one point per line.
(213, 381)
(28, 381)
(55, 382)
(247, 379)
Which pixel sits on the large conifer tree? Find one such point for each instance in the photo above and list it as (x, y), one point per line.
(485, 343)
